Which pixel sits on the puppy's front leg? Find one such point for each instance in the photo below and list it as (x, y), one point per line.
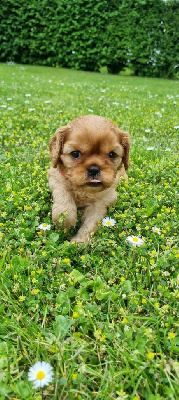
(63, 202)
(91, 216)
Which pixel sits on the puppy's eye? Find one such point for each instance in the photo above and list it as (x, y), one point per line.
(112, 155)
(76, 154)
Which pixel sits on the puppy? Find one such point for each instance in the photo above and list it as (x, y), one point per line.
(88, 158)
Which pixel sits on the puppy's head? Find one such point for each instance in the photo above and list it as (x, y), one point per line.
(90, 150)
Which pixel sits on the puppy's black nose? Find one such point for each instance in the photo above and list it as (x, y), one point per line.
(93, 171)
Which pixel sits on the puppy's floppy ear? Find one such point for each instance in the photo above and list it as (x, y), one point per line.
(56, 145)
(125, 142)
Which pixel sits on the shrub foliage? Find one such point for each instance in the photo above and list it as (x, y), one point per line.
(88, 34)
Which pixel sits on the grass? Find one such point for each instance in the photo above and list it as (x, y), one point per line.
(103, 315)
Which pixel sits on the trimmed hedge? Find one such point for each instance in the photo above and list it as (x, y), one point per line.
(88, 34)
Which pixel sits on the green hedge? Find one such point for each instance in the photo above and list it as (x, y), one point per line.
(88, 34)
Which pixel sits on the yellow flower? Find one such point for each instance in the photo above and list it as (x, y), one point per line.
(35, 291)
(156, 272)
(124, 320)
(102, 338)
(153, 252)
(121, 234)
(150, 355)
(121, 394)
(21, 298)
(171, 335)
(66, 260)
(75, 314)
(148, 332)
(166, 307)
(27, 208)
(74, 376)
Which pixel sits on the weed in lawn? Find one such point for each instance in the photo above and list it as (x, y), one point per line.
(103, 315)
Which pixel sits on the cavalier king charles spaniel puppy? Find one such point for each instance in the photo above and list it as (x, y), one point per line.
(88, 157)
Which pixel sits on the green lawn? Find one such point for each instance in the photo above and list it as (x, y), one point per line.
(103, 315)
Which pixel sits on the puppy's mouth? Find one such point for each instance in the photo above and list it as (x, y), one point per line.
(94, 183)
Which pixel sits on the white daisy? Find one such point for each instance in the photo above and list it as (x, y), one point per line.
(136, 241)
(156, 230)
(150, 148)
(44, 227)
(176, 127)
(41, 374)
(108, 222)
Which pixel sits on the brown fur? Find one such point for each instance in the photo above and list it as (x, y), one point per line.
(95, 138)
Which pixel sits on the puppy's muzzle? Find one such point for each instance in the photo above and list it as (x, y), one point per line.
(93, 173)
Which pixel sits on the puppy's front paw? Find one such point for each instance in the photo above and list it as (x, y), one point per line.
(81, 238)
(68, 219)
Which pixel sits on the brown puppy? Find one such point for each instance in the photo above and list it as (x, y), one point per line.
(88, 157)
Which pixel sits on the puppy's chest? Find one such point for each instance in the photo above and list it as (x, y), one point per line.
(83, 199)
(107, 197)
